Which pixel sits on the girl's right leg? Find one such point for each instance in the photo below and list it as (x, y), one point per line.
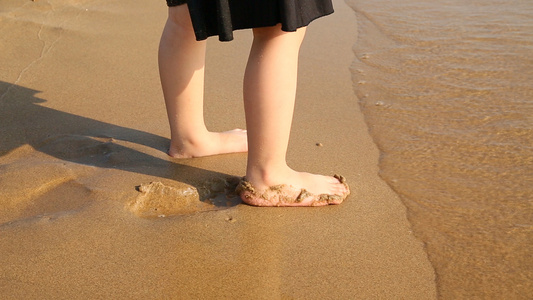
(181, 67)
(269, 96)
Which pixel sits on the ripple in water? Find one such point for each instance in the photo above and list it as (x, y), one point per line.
(446, 89)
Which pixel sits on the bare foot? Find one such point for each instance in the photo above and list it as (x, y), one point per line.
(299, 189)
(212, 143)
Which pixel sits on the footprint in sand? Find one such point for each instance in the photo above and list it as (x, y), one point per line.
(31, 187)
(104, 152)
(159, 200)
(70, 146)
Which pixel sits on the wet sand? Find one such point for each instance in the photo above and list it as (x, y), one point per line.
(445, 90)
(92, 207)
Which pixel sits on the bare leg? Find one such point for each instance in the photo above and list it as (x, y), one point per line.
(181, 67)
(269, 96)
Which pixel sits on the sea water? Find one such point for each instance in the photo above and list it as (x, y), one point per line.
(446, 88)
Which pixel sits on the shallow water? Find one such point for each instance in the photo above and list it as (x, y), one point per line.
(446, 88)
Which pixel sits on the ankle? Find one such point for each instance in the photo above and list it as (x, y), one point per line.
(180, 150)
(269, 175)
(186, 146)
(209, 143)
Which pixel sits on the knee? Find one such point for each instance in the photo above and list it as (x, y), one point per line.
(268, 34)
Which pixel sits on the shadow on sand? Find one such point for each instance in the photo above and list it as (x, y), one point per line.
(90, 142)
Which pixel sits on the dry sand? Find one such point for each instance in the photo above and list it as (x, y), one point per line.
(83, 126)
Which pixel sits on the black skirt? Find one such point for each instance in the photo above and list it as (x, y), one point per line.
(221, 17)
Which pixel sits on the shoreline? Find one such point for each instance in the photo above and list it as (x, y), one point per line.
(95, 127)
(450, 112)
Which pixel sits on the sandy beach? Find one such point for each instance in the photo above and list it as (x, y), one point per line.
(92, 207)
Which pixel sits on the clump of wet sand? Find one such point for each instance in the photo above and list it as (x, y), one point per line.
(156, 199)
